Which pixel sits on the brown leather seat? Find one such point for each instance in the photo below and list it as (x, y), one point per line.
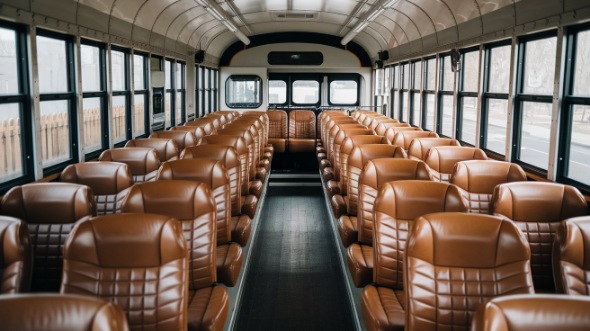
(230, 114)
(344, 132)
(166, 148)
(571, 252)
(266, 149)
(53, 312)
(191, 203)
(374, 175)
(302, 131)
(538, 208)
(328, 165)
(50, 211)
(382, 128)
(221, 117)
(456, 261)
(196, 130)
(277, 134)
(404, 138)
(183, 139)
(254, 185)
(442, 159)
(212, 173)
(533, 312)
(392, 131)
(477, 179)
(136, 261)
(419, 147)
(16, 259)
(329, 133)
(396, 207)
(143, 162)
(370, 117)
(376, 121)
(258, 170)
(360, 155)
(240, 222)
(109, 182)
(210, 125)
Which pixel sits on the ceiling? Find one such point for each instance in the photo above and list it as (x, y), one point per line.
(186, 25)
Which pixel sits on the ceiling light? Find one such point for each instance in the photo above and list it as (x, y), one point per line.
(374, 14)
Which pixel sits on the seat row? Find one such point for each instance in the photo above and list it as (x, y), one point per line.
(386, 192)
(293, 133)
(203, 189)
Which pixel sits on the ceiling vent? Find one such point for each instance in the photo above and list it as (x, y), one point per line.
(295, 16)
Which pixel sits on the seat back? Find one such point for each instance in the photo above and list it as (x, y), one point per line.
(136, 261)
(335, 137)
(442, 159)
(397, 205)
(213, 174)
(249, 139)
(332, 128)
(230, 114)
(404, 138)
(277, 130)
(338, 140)
(16, 259)
(166, 148)
(196, 130)
(239, 144)
(456, 261)
(419, 147)
(538, 208)
(109, 182)
(143, 163)
(571, 256)
(207, 124)
(533, 312)
(375, 174)
(376, 121)
(50, 211)
(392, 131)
(359, 156)
(229, 158)
(53, 312)
(222, 118)
(477, 179)
(302, 131)
(182, 139)
(345, 149)
(250, 133)
(329, 121)
(257, 129)
(382, 128)
(191, 203)
(370, 118)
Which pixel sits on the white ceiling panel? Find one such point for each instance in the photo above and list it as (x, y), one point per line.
(127, 9)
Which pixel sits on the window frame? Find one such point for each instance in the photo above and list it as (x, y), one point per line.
(427, 92)
(126, 93)
(441, 93)
(415, 88)
(461, 95)
(243, 78)
(344, 77)
(144, 90)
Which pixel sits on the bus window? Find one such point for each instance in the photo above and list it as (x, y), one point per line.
(306, 92)
(243, 91)
(277, 92)
(343, 92)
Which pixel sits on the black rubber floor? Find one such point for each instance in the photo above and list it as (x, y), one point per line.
(294, 281)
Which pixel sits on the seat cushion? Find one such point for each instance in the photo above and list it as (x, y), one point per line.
(332, 187)
(240, 229)
(249, 205)
(338, 205)
(208, 308)
(279, 144)
(229, 263)
(255, 187)
(347, 229)
(382, 308)
(360, 264)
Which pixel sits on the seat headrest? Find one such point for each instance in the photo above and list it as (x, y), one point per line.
(408, 199)
(196, 130)
(224, 154)
(126, 241)
(467, 240)
(105, 178)
(235, 141)
(237, 131)
(302, 115)
(140, 160)
(444, 158)
(351, 131)
(361, 154)
(210, 172)
(377, 172)
(15, 243)
(166, 148)
(538, 201)
(181, 138)
(573, 238)
(481, 176)
(276, 115)
(49, 203)
(419, 147)
(404, 138)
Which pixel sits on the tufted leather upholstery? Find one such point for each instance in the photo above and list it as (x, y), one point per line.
(375, 123)
(143, 162)
(240, 224)
(50, 211)
(302, 131)
(210, 125)
(222, 118)
(239, 144)
(52, 312)
(345, 131)
(277, 134)
(382, 128)
(213, 174)
(137, 261)
(16, 260)
(477, 179)
(192, 203)
(230, 114)
(419, 147)
(196, 130)
(455, 261)
(166, 148)
(182, 139)
(392, 131)
(571, 256)
(533, 312)
(254, 185)
(256, 170)
(109, 182)
(538, 208)
(370, 118)
(404, 138)
(262, 124)
(442, 159)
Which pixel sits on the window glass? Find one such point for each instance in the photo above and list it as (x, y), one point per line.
(8, 63)
(406, 107)
(470, 71)
(536, 127)
(178, 104)
(138, 72)
(429, 112)
(277, 91)
(579, 158)
(52, 60)
(139, 114)
(396, 77)
(306, 91)
(10, 130)
(119, 119)
(406, 76)
(343, 92)
(91, 116)
(539, 66)
(168, 74)
(168, 110)
(469, 118)
(243, 92)
(416, 109)
(90, 59)
(447, 115)
(179, 75)
(118, 71)
(417, 75)
(431, 81)
(496, 125)
(582, 70)
(499, 71)
(55, 132)
(387, 79)
(448, 75)
(395, 110)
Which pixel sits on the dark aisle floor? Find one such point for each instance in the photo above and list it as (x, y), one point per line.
(294, 281)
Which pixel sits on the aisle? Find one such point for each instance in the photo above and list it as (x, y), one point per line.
(294, 281)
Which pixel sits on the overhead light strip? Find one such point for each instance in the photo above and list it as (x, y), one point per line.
(372, 14)
(219, 14)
